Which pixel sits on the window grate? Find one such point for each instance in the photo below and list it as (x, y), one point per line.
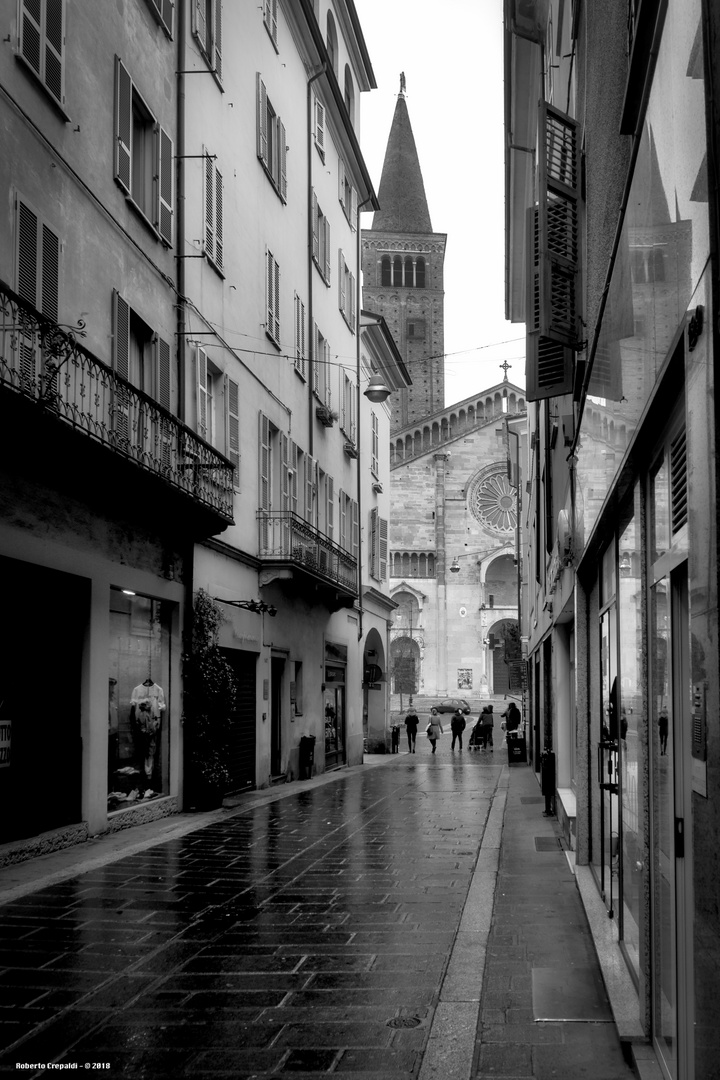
(678, 481)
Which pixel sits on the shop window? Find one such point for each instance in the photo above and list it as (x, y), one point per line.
(139, 698)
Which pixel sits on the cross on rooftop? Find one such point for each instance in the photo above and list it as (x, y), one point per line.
(505, 365)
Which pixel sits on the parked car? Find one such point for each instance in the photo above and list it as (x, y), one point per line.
(450, 704)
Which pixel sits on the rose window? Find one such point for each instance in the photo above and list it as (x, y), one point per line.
(494, 503)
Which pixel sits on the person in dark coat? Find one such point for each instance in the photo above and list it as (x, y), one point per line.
(512, 717)
(411, 724)
(487, 722)
(457, 726)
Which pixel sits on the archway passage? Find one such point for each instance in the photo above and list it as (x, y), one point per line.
(504, 642)
(374, 678)
(405, 665)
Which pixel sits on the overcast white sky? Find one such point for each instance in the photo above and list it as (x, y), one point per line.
(452, 56)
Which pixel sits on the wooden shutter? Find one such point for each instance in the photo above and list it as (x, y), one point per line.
(316, 229)
(320, 126)
(341, 183)
(262, 134)
(200, 23)
(293, 469)
(352, 302)
(382, 547)
(209, 207)
(310, 488)
(353, 208)
(31, 35)
(232, 428)
(548, 363)
(316, 338)
(49, 273)
(329, 507)
(265, 463)
(272, 278)
(284, 472)
(123, 125)
(217, 59)
(218, 219)
(373, 550)
(121, 363)
(342, 498)
(164, 212)
(327, 249)
(270, 18)
(163, 372)
(559, 224)
(355, 538)
(300, 358)
(282, 154)
(341, 282)
(27, 254)
(202, 394)
(54, 45)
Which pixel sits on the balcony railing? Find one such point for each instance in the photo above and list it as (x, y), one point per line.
(46, 364)
(284, 537)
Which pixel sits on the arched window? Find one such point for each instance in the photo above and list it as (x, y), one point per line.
(406, 565)
(397, 271)
(422, 568)
(408, 271)
(431, 566)
(414, 564)
(332, 41)
(349, 95)
(386, 271)
(420, 273)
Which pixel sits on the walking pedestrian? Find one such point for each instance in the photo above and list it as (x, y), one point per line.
(395, 739)
(411, 724)
(457, 726)
(512, 717)
(433, 731)
(487, 722)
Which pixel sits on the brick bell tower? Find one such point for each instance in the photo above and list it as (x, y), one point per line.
(402, 266)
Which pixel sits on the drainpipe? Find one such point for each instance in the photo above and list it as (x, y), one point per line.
(180, 209)
(358, 305)
(311, 426)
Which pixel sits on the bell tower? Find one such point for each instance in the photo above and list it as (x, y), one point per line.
(402, 265)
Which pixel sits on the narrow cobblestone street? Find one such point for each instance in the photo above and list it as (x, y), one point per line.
(340, 928)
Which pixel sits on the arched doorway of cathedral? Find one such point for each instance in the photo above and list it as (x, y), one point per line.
(504, 645)
(374, 691)
(405, 667)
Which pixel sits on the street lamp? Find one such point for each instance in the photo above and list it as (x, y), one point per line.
(258, 606)
(455, 565)
(377, 389)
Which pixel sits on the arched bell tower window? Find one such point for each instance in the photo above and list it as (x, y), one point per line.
(409, 275)
(420, 273)
(397, 271)
(386, 271)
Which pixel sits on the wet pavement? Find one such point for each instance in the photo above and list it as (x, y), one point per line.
(343, 926)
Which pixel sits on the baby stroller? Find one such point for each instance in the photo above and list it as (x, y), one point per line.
(475, 741)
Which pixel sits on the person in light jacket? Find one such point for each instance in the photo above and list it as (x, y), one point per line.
(434, 731)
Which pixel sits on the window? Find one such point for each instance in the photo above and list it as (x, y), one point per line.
(375, 445)
(349, 533)
(207, 31)
(311, 489)
(163, 12)
(41, 44)
(219, 427)
(321, 368)
(271, 141)
(270, 20)
(319, 129)
(139, 354)
(272, 280)
(346, 291)
(321, 241)
(416, 329)
(348, 419)
(206, 380)
(37, 263)
(213, 242)
(347, 195)
(143, 156)
(378, 545)
(300, 340)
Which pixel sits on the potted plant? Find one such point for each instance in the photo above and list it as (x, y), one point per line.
(210, 689)
(326, 415)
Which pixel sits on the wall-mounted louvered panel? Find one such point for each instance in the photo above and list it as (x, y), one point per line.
(678, 481)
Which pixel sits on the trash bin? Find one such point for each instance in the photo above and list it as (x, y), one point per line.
(307, 756)
(517, 751)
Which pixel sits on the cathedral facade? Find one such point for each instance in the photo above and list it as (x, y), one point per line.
(455, 496)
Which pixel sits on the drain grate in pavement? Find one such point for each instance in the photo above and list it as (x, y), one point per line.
(404, 1022)
(547, 843)
(527, 800)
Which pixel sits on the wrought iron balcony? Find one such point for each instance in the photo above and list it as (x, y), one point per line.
(288, 541)
(45, 364)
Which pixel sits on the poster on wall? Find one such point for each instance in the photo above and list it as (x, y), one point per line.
(464, 680)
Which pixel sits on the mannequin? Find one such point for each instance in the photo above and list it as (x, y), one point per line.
(147, 704)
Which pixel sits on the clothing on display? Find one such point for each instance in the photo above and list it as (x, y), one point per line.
(147, 704)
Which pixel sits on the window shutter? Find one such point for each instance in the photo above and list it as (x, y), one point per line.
(353, 208)
(282, 137)
(293, 469)
(329, 507)
(199, 23)
(326, 373)
(218, 219)
(218, 39)
(265, 463)
(209, 207)
(300, 361)
(342, 498)
(262, 141)
(341, 183)
(382, 547)
(50, 274)
(316, 361)
(232, 429)
(273, 297)
(310, 480)
(54, 48)
(27, 254)
(355, 539)
(121, 363)
(320, 126)
(352, 302)
(548, 363)
(165, 185)
(316, 229)
(168, 10)
(341, 282)
(202, 397)
(558, 225)
(284, 472)
(31, 35)
(327, 250)
(123, 125)
(163, 372)
(374, 551)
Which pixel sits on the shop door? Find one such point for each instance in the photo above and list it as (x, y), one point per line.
(670, 743)
(277, 668)
(334, 707)
(41, 640)
(608, 766)
(241, 757)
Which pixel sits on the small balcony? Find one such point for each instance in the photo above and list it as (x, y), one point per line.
(59, 382)
(294, 551)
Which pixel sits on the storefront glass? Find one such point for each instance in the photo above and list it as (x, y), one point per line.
(663, 250)
(138, 698)
(334, 701)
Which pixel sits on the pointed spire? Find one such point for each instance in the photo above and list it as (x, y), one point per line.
(403, 205)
